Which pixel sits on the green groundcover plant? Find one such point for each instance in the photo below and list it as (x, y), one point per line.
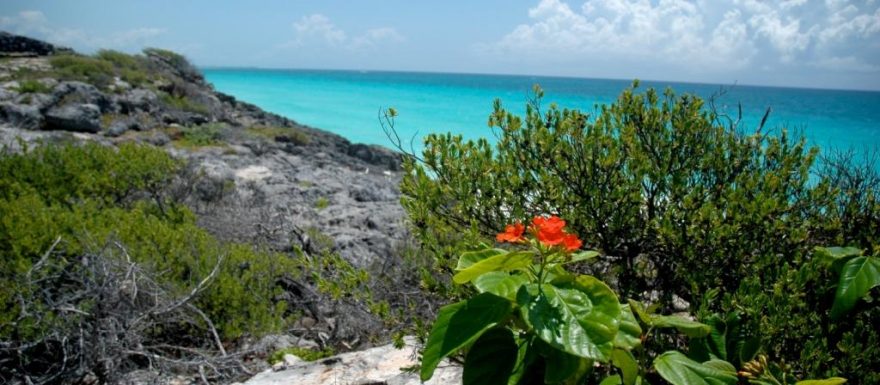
(533, 321)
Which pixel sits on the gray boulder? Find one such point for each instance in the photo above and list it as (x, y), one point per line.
(74, 117)
(120, 126)
(21, 115)
(138, 99)
(79, 92)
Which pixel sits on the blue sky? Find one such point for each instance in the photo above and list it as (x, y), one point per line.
(802, 43)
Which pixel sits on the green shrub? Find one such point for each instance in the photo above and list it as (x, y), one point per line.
(183, 103)
(133, 69)
(211, 134)
(92, 70)
(29, 86)
(90, 196)
(677, 203)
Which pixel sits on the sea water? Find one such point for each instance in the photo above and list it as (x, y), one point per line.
(349, 102)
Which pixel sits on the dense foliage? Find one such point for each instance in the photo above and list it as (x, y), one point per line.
(680, 203)
(66, 209)
(535, 322)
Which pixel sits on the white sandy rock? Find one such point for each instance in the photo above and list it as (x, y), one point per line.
(380, 365)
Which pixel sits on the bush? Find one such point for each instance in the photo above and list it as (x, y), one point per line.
(66, 206)
(678, 204)
(183, 103)
(29, 86)
(92, 70)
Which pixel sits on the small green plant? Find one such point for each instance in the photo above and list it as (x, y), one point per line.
(183, 103)
(532, 321)
(280, 134)
(30, 86)
(204, 135)
(322, 203)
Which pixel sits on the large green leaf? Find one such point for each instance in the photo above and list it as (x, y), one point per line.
(500, 262)
(836, 257)
(581, 319)
(726, 341)
(858, 276)
(629, 334)
(561, 367)
(827, 381)
(500, 283)
(612, 380)
(471, 257)
(629, 368)
(687, 327)
(492, 358)
(676, 368)
(459, 324)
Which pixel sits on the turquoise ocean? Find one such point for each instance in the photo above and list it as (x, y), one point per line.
(348, 102)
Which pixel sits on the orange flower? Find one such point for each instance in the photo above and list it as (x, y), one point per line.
(512, 233)
(549, 230)
(571, 242)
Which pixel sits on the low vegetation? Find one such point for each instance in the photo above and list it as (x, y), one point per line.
(103, 270)
(681, 203)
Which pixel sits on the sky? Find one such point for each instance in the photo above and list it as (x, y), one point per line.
(796, 43)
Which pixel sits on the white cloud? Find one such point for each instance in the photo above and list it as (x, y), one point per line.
(703, 35)
(35, 24)
(318, 26)
(318, 29)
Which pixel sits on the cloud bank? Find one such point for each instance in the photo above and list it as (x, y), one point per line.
(704, 35)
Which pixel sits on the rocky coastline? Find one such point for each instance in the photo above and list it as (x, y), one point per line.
(262, 178)
(302, 176)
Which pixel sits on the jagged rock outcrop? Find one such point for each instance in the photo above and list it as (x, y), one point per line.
(14, 45)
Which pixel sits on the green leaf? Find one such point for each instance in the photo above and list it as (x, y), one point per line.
(834, 253)
(459, 324)
(629, 334)
(676, 368)
(562, 367)
(640, 312)
(858, 276)
(500, 283)
(689, 328)
(581, 319)
(627, 364)
(612, 380)
(837, 256)
(583, 256)
(471, 257)
(827, 381)
(720, 365)
(500, 262)
(492, 358)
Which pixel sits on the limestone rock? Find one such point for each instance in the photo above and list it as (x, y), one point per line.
(19, 115)
(380, 365)
(78, 92)
(74, 117)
